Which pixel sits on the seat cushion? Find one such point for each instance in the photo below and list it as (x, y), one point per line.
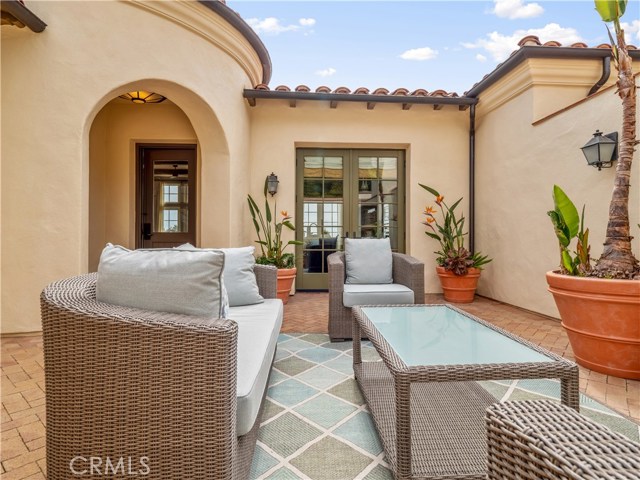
(258, 330)
(368, 260)
(376, 294)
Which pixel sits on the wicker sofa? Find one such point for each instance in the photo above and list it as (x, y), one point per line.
(158, 389)
(407, 271)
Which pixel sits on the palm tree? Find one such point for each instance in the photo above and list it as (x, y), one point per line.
(617, 260)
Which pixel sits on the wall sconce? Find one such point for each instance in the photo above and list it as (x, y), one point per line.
(601, 150)
(141, 96)
(272, 184)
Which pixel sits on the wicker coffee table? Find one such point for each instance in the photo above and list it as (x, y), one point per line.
(426, 405)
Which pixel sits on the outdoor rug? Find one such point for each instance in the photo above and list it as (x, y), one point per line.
(316, 425)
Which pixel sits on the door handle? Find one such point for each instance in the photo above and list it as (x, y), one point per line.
(146, 231)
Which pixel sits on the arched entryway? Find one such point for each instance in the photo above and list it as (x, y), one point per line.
(121, 136)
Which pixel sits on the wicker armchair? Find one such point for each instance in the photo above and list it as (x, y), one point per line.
(137, 384)
(543, 440)
(407, 271)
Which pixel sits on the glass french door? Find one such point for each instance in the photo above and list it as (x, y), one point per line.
(345, 193)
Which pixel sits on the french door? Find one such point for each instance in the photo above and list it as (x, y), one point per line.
(345, 194)
(166, 206)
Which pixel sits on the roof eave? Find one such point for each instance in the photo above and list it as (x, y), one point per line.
(25, 16)
(239, 24)
(535, 51)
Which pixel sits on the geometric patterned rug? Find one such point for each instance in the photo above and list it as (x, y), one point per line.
(316, 425)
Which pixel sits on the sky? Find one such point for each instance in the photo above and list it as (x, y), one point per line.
(447, 45)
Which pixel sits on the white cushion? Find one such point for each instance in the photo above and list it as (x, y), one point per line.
(377, 294)
(258, 330)
(368, 260)
(167, 280)
(239, 277)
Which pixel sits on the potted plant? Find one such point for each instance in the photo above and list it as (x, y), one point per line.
(458, 268)
(269, 231)
(599, 306)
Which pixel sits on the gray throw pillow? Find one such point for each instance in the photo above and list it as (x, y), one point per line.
(167, 280)
(238, 276)
(368, 260)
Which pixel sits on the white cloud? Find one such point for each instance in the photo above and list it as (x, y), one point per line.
(327, 72)
(481, 58)
(424, 53)
(273, 26)
(513, 9)
(631, 31)
(499, 46)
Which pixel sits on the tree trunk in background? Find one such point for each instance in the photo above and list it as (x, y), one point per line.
(617, 260)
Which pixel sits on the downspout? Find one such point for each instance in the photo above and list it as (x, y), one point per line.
(472, 175)
(606, 72)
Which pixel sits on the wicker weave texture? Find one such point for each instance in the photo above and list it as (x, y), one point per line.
(541, 440)
(430, 418)
(131, 383)
(407, 271)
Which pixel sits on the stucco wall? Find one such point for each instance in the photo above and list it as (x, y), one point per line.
(517, 166)
(112, 166)
(90, 53)
(437, 144)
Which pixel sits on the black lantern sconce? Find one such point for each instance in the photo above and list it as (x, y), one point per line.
(272, 184)
(601, 150)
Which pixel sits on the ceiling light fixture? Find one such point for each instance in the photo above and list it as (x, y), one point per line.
(140, 96)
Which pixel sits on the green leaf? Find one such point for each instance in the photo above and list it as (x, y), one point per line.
(567, 262)
(567, 211)
(267, 210)
(295, 242)
(433, 235)
(289, 225)
(611, 10)
(453, 207)
(430, 190)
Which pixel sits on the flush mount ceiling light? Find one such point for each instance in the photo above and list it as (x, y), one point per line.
(140, 96)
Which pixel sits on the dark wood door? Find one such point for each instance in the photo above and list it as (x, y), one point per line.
(166, 207)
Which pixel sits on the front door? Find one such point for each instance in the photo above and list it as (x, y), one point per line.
(166, 207)
(345, 193)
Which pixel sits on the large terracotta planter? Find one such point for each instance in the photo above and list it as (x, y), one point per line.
(602, 320)
(458, 288)
(286, 276)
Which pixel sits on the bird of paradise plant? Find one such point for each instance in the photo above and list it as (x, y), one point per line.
(269, 231)
(450, 233)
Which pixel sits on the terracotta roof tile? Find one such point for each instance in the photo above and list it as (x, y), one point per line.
(323, 89)
(632, 47)
(604, 45)
(439, 93)
(400, 91)
(282, 88)
(529, 40)
(262, 86)
(342, 90)
(381, 91)
(421, 92)
(361, 91)
(579, 45)
(552, 43)
(302, 88)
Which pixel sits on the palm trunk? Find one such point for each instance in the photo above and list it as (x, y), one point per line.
(617, 260)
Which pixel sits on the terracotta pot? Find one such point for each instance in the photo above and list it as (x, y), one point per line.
(458, 288)
(602, 320)
(286, 276)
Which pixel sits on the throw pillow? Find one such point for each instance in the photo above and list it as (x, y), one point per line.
(238, 276)
(168, 280)
(368, 260)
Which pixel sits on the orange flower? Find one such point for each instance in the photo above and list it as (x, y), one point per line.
(439, 199)
(430, 219)
(429, 210)
(285, 214)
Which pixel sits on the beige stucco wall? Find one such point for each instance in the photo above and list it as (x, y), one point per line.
(437, 145)
(90, 53)
(517, 165)
(112, 166)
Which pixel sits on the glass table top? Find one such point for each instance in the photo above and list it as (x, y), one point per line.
(438, 335)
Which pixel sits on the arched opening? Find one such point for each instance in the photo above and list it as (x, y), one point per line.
(118, 132)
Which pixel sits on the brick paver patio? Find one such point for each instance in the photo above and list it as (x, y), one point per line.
(23, 397)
